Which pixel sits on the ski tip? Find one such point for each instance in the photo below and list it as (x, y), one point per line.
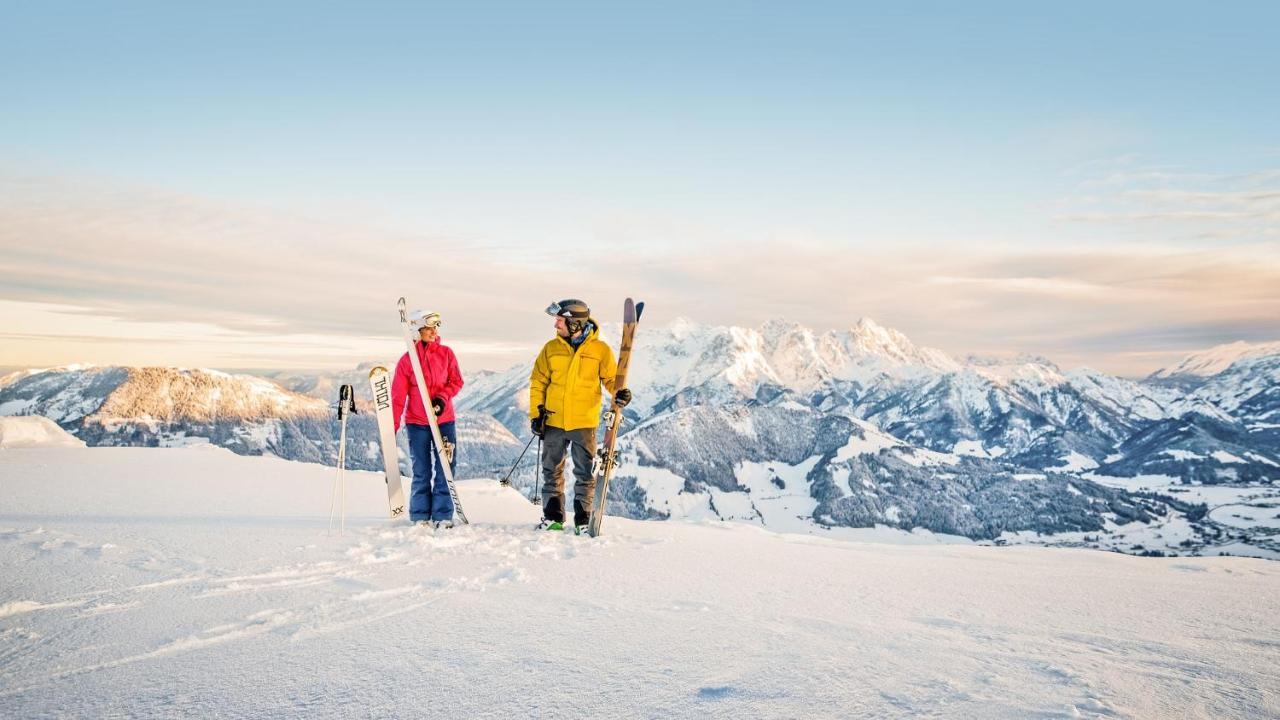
(639, 309)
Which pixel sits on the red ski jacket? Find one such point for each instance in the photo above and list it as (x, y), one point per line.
(444, 380)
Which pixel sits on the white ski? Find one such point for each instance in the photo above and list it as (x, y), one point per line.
(380, 384)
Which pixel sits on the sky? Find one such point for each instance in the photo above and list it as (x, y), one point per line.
(253, 185)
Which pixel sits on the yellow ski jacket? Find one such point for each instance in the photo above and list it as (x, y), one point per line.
(568, 382)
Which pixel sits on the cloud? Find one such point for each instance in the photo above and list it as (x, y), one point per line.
(1055, 286)
(1179, 205)
(159, 257)
(258, 288)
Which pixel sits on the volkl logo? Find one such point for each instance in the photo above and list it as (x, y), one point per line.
(381, 393)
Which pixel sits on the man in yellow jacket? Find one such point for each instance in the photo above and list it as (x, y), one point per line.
(565, 382)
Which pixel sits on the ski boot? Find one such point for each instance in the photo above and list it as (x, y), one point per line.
(551, 525)
(444, 524)
(580, 530)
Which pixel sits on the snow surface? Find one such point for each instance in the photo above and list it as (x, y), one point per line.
(785, 509)
(194, 582)
(1211, 495)
(872, 441)
(1076, 462)
(16, 407)
(1258, 458)
(34, 431)
(1182, 454)
(1249, 516)
(1223, 456)
(919, 457)
(969, 447)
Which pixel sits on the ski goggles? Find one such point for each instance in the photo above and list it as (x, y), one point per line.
(565, 309)
(430, 321)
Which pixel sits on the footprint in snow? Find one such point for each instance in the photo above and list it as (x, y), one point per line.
(716, 692)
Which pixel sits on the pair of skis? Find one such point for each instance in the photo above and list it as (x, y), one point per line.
(380, 385)
(607, 457)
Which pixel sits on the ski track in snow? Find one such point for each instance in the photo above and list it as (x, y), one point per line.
(136, 613)
(351, 588)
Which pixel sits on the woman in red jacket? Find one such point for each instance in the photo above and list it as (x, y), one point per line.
(429, 499)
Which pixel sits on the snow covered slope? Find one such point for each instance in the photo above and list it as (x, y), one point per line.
(788, 468)
(25, 432)
(194, 582)
(1207, 363)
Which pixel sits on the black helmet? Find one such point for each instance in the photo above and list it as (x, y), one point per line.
(574, 312)
(569, 309)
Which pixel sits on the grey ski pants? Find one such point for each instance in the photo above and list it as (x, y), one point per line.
(556, 442)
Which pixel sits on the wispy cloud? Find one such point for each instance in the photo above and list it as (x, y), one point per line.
(1179, 206)
(1049, 286)
(249, 286)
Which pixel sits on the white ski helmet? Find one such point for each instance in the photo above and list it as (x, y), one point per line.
(421, 319)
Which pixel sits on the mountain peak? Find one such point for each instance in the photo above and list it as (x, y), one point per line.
(682, 325)
(777, 327)
(873, 338)
(873, 334)
(1206, 363)
(867, 325)
(871, 341)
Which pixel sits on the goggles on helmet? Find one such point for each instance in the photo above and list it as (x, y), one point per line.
(426, 320)
(568, 309)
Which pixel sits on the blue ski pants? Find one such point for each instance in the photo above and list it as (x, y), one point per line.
(429, 497)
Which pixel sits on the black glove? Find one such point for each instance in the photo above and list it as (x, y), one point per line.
(537, 425)
(437, 405)
(622, 398)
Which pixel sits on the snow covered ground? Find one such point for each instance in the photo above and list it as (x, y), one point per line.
(34, 431)
(194, 582)
(1251, 511)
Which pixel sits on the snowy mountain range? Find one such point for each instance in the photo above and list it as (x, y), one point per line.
(119, 406)
(1025, 410)
(781, 425)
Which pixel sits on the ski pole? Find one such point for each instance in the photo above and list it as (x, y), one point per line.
(337, 479)
(506, 480)
(346, 404)
(342, 481)
(543, 414)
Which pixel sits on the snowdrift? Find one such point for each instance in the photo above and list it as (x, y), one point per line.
(34, 431)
